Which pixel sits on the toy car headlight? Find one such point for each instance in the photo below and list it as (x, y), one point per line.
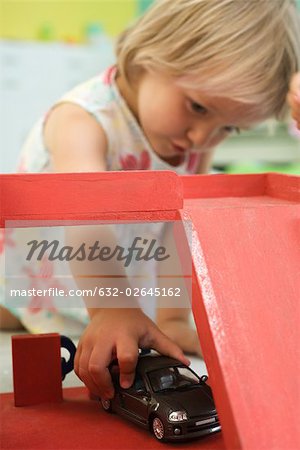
(177, 416)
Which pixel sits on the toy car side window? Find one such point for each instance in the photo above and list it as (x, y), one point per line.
(185, 377)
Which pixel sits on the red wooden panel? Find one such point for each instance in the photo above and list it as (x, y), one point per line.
(283, 186)
(270, 184)
(78, 423)
(207, 186)
(247, 262)
(138, 194)
(36, 369)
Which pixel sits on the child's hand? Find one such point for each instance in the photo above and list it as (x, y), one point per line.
(294, 98)
(118, 333)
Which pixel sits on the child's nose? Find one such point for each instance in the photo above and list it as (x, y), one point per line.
(201, 134)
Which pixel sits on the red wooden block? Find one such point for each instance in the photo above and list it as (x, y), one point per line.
(36, 368)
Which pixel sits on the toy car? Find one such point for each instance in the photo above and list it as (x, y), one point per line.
(167, 398)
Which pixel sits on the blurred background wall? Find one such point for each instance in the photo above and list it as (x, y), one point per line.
(47, 47)
(71, 20)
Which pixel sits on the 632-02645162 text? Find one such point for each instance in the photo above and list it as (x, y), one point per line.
(98, 291)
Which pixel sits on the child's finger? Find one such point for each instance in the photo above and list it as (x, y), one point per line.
(294, 105)
(82, 371)
(165, 346)
(127, 354)
(293, 101)
(98, 371)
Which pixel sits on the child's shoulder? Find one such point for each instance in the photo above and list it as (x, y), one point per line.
(93, 93)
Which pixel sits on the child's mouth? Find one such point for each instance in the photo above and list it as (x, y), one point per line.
(179, 149)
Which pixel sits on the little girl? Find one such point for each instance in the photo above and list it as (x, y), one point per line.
(188, 74)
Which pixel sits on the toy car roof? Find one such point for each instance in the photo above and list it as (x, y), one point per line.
(149, 362)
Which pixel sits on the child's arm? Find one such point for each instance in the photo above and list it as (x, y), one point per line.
(294, 98)
(77, 143)
(175, 322)
(205, 163)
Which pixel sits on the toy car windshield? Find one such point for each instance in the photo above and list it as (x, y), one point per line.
(171, 378)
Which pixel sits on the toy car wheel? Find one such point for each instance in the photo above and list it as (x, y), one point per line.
(106, 405)
(158, 428)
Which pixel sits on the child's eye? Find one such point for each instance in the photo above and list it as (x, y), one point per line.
(232, 129)
(196, 107)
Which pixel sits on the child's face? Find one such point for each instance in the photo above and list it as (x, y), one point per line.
(177, 120)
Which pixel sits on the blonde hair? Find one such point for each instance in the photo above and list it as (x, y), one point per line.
(243, 49)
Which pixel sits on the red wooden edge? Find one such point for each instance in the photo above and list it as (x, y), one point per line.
(223, 185)
(134, 195)
(286, 187)
(89, 195)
